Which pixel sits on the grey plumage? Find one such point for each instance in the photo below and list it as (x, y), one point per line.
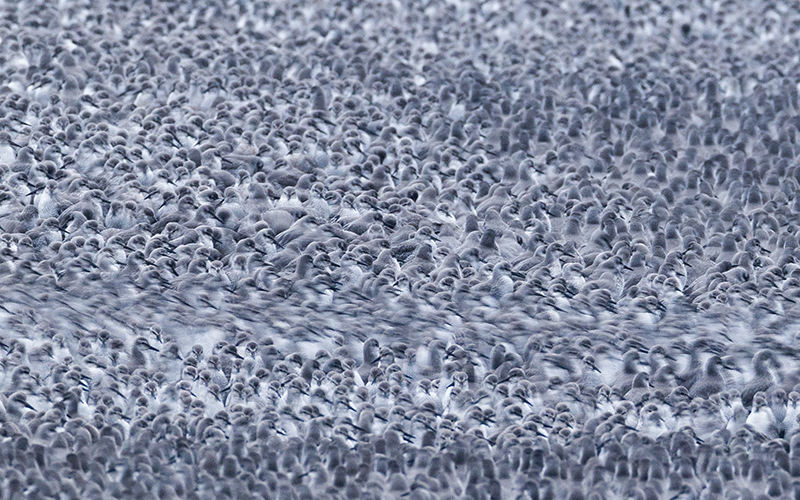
(321, 251)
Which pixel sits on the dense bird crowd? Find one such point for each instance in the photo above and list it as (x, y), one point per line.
(399, 249)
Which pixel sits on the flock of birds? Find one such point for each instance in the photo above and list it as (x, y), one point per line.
(399, 249)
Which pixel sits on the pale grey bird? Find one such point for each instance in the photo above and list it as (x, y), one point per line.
(761, 417)
(370, 357)
(591, 376)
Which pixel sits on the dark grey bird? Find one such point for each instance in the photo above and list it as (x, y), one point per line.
(711, 381)
(762, 379)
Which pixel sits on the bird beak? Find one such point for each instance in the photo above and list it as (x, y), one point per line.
(596, 369)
